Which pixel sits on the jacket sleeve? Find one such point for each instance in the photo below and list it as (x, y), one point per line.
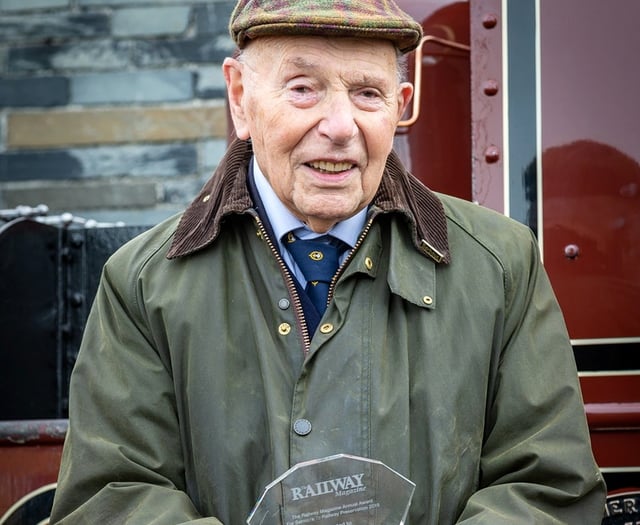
(122, 460)
(537, 466)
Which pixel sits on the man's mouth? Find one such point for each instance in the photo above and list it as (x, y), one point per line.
(330, 167)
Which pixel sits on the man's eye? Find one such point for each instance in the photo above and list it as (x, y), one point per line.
(370, 93)
(301, 89)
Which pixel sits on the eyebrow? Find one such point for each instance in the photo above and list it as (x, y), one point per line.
(301, 62)
(359, 77)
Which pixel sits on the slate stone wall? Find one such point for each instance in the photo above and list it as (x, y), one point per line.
(111, 109)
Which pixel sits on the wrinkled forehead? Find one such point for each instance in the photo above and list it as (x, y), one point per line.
(308, 52)
(364, 61)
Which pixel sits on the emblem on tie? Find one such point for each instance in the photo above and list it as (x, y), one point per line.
(318, 260)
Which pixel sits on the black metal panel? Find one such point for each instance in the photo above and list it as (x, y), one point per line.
(608, 357)
(34, 508)
(29, 316)
(49, 273)
(84, 254)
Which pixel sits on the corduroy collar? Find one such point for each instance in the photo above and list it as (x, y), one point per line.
(226, 193)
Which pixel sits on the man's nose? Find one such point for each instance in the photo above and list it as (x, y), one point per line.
(338, 121)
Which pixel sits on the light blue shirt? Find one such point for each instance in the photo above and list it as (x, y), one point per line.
(283, 221)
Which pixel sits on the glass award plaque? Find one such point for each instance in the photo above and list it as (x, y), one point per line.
(336, 490)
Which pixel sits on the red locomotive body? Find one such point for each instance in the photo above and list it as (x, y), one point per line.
(543, 109)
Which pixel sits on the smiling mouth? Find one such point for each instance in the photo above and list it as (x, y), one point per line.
(330, 167)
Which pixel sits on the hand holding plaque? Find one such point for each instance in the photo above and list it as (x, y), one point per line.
(336, 490)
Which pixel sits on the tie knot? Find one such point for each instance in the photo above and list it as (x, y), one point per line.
(317, 259)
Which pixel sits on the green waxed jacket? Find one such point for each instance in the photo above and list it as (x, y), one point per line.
(443, 354)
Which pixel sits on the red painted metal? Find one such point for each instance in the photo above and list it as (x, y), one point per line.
(591, 164)
(612, 404)
(437, 148)
(590, 189)
(487, 108)
(30, 453)
(618, 388)
(591, 198)
(616, 449)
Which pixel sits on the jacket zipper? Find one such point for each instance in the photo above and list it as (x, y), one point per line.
(288, 278)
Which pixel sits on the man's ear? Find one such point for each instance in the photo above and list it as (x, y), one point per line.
(233, 71)
(405, 94)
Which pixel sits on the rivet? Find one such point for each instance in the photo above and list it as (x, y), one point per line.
(427, 299)
(283, 303)
(489, 21)
(206, 198)
(66, 254)
(326, 328)
(66, 330)
(76, 299)
(368, 262)
(284, 329)
(490, 88)
(492, 154)
(76, 240)
(571, 251)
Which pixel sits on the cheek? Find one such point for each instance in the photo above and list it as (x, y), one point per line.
(378, 132)
(378, 146)
(379, 143)
(371, 181)
(274, 133)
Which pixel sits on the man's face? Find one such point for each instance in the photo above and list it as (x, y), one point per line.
(321, 114)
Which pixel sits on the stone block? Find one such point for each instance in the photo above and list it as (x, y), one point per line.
(83, 3)
(23, 166)
(130, 216)
(137, 87)
(123, 54)
(213, 18)
(140, 161)
(212, 152)
(20, 5)
(34, 92)
(52, 129)
(83, 195)
(198, 50)
(150, 21)
(15, 29)
(210, 83)
(180, 191)
(80, 55)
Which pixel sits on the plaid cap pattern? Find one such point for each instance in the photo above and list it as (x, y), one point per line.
(381, 19)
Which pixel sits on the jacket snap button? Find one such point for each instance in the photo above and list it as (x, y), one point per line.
(326, 328)
(302, 427)
(283, 304)
(284, 328)
(368, 262)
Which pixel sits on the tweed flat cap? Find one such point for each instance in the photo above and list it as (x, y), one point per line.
(381, 19)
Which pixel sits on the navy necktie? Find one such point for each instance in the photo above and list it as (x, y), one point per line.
(318, 261)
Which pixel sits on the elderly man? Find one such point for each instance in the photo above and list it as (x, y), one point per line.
(213, 360)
